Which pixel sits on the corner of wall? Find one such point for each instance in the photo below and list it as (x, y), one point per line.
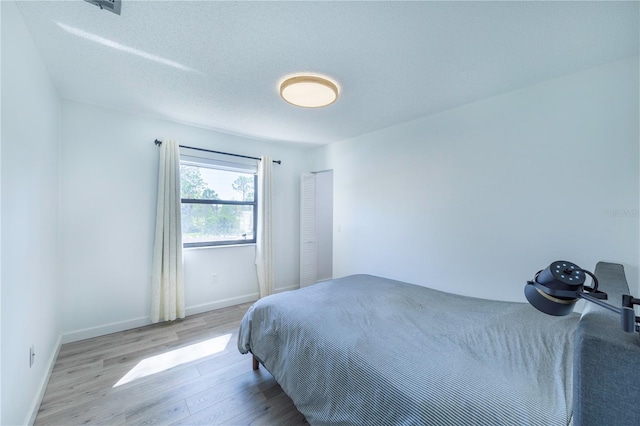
(35, 405)
(30, 296)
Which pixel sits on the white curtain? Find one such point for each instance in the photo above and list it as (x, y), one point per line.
(264, 251)
(167, 280)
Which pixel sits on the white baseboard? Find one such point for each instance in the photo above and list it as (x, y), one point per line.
(101, 330)
(293, 287)
(35, 405)
(218, 304)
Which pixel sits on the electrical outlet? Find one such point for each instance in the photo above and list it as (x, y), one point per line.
(32, 355)
(214, 278)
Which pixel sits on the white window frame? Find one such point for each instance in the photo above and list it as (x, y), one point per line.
(212, 162)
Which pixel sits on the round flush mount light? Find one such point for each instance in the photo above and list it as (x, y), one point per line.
(309, 91)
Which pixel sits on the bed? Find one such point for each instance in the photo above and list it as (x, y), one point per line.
(371, 351)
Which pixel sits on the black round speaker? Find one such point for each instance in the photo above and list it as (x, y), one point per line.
(555, 289)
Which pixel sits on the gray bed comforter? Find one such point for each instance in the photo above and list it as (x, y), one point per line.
(370, 351)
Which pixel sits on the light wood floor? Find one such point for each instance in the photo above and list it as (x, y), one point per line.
(210, 389)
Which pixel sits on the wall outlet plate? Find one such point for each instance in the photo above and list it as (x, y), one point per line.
(32, 355)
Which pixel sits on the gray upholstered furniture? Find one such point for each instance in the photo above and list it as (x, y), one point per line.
(606, 367)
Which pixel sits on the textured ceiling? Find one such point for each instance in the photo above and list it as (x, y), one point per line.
(217, 65)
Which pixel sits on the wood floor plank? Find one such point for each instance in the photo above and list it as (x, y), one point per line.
(91, 413)
(221, 361)
(171, 390)
(268, 412)
(226, 409)
(204, 331)
(158, 415)
(246, 382)
(62, 376)
(175, 389)
(113, 348)
(211, 388)
(88, 392)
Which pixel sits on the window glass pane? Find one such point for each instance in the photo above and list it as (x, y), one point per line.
(216, 223)
(211, 184)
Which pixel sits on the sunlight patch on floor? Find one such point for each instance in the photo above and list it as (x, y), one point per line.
(165, 361)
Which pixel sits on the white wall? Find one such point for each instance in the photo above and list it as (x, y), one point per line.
(475, 200)
(30, 189)
(0, 232)
(109, 175)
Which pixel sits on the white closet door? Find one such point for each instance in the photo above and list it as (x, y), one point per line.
(308, 243)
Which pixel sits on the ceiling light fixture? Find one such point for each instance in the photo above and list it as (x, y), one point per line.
(309, 91)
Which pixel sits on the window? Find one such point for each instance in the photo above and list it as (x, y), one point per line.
(219, 204)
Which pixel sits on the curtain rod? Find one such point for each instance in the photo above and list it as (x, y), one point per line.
(158, 143)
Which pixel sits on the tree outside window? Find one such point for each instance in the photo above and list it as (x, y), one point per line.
(218, 206)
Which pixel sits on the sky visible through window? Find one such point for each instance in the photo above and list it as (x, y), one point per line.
(221, 182)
